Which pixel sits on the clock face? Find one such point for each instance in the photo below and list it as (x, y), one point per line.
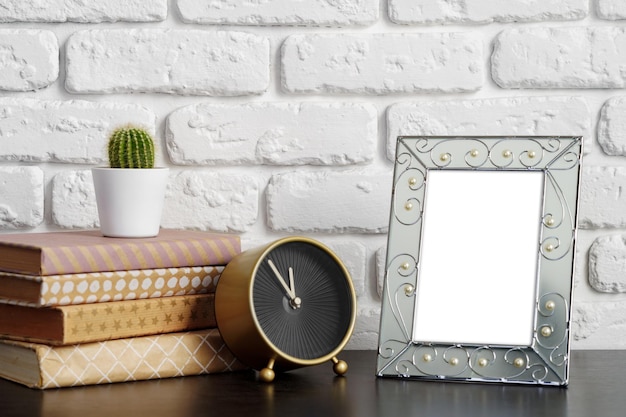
(302, 299)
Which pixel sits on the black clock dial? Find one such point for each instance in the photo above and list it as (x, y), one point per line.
(318, 322)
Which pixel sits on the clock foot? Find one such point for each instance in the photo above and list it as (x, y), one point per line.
(340, 367)
(267, 374)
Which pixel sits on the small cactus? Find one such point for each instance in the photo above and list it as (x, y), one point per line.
(131, 147)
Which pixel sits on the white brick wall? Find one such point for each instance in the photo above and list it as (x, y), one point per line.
(63, 131)
(606, 264)
(74, 201)
(211, 201)
(381, 63)
(159, 61)
(333, 202)
(29, 59)
(612, 127)
(279, 12)
(560, 57)
(21, 197)
(602, 199)
(275, 134)
(611, 9)
(280, 117)
(480, 11)
(84, 12)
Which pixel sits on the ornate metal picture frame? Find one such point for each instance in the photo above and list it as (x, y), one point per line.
(544, 360)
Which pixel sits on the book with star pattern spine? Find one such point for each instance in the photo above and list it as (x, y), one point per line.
(73, 324)
(122, 360)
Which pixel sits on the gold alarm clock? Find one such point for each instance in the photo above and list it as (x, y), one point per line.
(286, 305)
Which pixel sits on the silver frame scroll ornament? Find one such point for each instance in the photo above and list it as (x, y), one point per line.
(546, 360)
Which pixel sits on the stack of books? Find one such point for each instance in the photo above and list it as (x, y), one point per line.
(78, 308)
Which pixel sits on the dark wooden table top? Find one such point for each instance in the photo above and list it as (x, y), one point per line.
(597, 389)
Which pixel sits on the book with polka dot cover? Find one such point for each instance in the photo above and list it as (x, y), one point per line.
(83, 267)
(100, 287)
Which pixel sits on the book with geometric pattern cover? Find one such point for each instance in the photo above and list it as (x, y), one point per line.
(72, 252)
(85, 323)
(100, 287)
(134, 359)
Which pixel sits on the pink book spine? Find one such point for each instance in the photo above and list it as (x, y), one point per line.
(114, 257)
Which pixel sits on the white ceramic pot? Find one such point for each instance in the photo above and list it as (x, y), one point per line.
(130, 201)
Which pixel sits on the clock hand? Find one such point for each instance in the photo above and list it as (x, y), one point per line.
(293, 289)
(288, 290)
(296, 302)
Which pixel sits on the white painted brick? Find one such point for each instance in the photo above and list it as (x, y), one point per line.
(273, 133)
(611, 9)
(612, 126)
(382, 63)
(74, 201)
(568, 116)
(602, 197)
(365, 335)
(63, 131)
(354, 201)
(598, 324)
(607, 263)
(353, 256)
(167, 61)
(564, 57)
(29, 59)
(279, 12)
(83, 11)
(205, 200)
(21, 197)
(481, 11)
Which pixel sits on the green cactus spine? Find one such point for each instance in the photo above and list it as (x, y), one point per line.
(131, 147)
